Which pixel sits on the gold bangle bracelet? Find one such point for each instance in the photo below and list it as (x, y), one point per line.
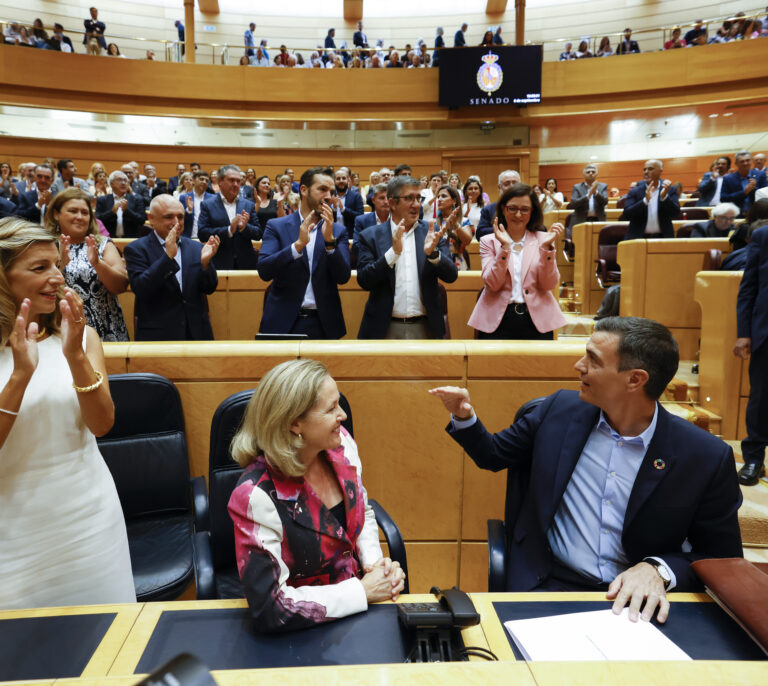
(93, 386)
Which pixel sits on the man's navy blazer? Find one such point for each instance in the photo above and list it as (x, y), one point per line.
(707, 189)
(134, 216)
(636, 211)
(686, 488)
(376, 276)
(752, 304)
(290, 277)
(26, 206)
(362, 222)
(246, 192)
(7, 208)
(485, 225)
(189, 217)
(353, 208)
(165, 312)
(733, 190)
(236, 251)
(360, 39)
(173, 183)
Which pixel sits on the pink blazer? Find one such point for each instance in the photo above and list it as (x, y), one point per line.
(540, 276)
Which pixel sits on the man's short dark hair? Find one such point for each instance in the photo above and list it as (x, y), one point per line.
(397, 183)
(400, 168)
(62, 164)
(644, 344)
(223, 169)
(194, 164)
(436, 174)
(45, 165)
(726, 158)
(308, 177)
(58, 26)
(378, 188)
(199, 173)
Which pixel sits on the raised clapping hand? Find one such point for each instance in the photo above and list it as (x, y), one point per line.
(551, 238)
(327, 216)
(433, 238)
(23, 341)
(209, 250)
(455, 399)
(750, 185)
(64, 243)
(72, 324)
(593, 188)
(397, 239)
(190, 204)
(635, 585)
(665, 189)
(239, 222)
(383, 580)
(305, 228)
(93, 251)
(172, 240)
(501, 235)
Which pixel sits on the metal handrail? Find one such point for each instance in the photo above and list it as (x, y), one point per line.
(173, 48)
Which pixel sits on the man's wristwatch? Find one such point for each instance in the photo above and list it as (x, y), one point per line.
(661, 570)
(331, 244)
(434, 254)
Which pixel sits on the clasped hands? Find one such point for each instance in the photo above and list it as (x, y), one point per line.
(308, 226)
(653, 185)
(431, 241)
(172, 245)
(638, 584)
(239, 222)
(383, 580)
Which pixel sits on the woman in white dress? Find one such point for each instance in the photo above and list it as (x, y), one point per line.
(550, 198)
(63, 539)
(473, 196)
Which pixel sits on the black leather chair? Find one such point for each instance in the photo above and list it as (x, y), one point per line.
(442, 298)
(608, 270)
(685, 230)
(500, 531)
(216, 573)
(694, 213)
(146, 451)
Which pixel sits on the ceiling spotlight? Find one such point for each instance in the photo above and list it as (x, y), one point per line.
(727, 114)
(653, 135)
(713, 116)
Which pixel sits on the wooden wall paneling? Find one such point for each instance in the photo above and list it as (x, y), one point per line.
(462, 298)
(523, 360)
(432, 564)
(632, 260)
(116, 357)
(219, 309)
(721, 375)
(473, 573)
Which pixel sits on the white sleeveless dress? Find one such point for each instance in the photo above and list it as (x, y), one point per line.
(62, 532)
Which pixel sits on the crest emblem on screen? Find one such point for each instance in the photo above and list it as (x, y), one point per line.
(490, 74)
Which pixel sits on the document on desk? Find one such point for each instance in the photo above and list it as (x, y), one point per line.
(590, 636)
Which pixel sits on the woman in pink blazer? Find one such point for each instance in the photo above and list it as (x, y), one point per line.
(519, 272)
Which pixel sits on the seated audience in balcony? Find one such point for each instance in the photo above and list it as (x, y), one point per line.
(121, 211)
(568, 53)
(697, 35)
(550, 198)
(25, 40)
(39, 34)
(749, 29)
(11, 33)
(519, 272)
(583, 50)
(259, 59)
(487, 41)
(675, 41)
(721, 223)
(604, 49)
(711, 184)
(33, 204)
(93, 38)
(91, 264)
(170, 276)
(439, 43)
(244, 61)
(58, 41)
(627, 45)
(651, 205)
(233, 220)
(394, 60)
(114, 51)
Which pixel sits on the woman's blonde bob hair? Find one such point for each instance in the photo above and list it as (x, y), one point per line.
(285, 394)
(16, 235)
(61, 199)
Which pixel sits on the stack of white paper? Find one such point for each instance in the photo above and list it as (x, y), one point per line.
(587, 636)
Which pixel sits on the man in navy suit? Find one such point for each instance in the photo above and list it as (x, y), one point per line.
(173, 182)
(712, 183)
(330, 44)
(399, 263)
(233, 219)
(32, 204)
(193, 201)
(740, 186)
(488, 212)
(26, 180)
(459, 40)
(306, 256)
(121, 211)
(378, 215)
(619, 495)
(752, 325)
(170, 276)
(7, 208)
(348, 202)
(651, 206)
(359, 39)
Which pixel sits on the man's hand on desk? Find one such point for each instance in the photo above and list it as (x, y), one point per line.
(638, 583)
(383, 580)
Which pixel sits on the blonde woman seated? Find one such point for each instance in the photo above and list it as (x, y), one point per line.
(306, 540)
(519, 272)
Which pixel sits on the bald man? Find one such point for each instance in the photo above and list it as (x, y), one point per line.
(170, 276)
(651, 205)
(485, 224)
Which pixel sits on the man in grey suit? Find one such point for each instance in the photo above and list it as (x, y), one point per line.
(588, 198)
(67, 178)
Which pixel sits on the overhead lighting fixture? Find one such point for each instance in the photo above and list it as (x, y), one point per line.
(593, 157)
(713, 116)
(728, 114)
(653, 135)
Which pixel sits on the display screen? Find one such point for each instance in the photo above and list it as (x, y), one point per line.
(501, 75)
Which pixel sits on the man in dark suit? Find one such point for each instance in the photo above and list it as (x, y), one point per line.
(32, 204)
(627, 45)
(712, 182)
(752, 342)
(306, 256)
(170, 276)
(330, 44)
(651, 205)
(173, 182)
(399, 262)
(359, 39)
(121, 211)
(7, 208)
(26, 180)
(67, 178)
(619, 495)
(588, 198)
(153, 185)
(233, 219)
(721, 224)
(459, 40)
(378, 215)
(137, 188)
(348, 203)
(192, 202)
(94, 29)
(488, 212)
(739, 187)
